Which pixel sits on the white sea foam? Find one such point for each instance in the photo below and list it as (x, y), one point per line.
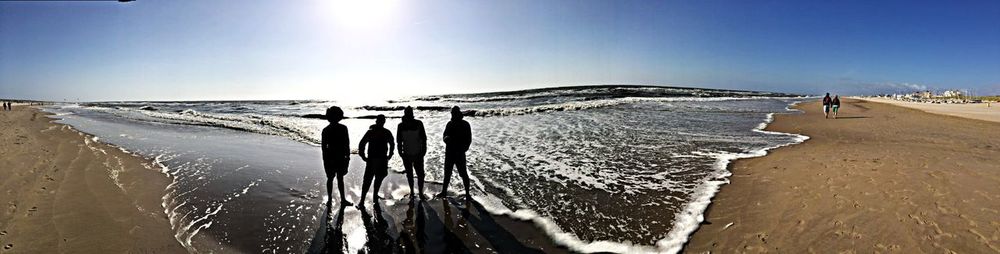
(693, 214)
(685, 223)
(592, 104)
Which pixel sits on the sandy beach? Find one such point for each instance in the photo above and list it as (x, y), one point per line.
(63, 192)
(69, 192)
(881, 179)
(980, 111)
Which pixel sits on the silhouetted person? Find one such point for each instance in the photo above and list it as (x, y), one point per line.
(826, 105)
(457, 139)
(378, 141)
(411, 140)
(336, 153)
(835, 104)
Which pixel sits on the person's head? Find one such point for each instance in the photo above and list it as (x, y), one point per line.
(836, 96)
(456, 113)
(408, 113)
(334, 114)
(380, 120)
(827, 94)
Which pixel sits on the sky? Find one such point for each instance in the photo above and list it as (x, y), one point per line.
(374, 49)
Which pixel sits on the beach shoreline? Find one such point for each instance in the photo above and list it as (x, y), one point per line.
(131, 182)
(881, 178)
(66, 192)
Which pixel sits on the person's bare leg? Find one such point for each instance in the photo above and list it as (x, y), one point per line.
(419, 167)
(367, 182)
(378, 186)
(329, 191)
(464, 173)
(343, 195)
(408, 165)
(448, 165)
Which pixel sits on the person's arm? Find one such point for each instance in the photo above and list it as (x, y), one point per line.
(399, 139)
(324, 143)
(346, 144)
(423, 139)
(392, 145)
(468, 136)
(447, 132)
(362, 145)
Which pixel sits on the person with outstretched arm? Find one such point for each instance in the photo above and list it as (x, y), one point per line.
(336, 145)
(411, 140)
(375, 149)
(457, 139)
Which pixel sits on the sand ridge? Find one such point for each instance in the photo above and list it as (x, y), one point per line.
(881, 179)
(65, 192)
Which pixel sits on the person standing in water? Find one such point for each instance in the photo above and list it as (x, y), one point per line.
(826, 106)
(835, 104)
(378, 141)
(336, 146)
(457, 139)
(411, 140)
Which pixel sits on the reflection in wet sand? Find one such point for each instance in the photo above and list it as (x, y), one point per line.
(431, 226)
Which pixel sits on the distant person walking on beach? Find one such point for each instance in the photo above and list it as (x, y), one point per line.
(836, 105)
(457, 139)
(411, 140)
(826, 106)
(378, 141)
(336, 146)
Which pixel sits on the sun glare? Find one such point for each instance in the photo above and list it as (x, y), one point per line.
(364, 14)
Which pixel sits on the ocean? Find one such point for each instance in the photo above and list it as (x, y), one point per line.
(594, 168)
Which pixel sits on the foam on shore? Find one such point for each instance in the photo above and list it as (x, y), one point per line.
(683, 226)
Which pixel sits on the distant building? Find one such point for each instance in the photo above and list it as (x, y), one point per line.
(922, 95)
(951, 93)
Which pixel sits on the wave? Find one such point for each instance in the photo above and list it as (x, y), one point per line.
(262, 124)
(593, 92)
(693, 214)
(686, 222)
(566, 106)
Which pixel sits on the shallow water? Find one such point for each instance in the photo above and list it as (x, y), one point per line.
(623, 165)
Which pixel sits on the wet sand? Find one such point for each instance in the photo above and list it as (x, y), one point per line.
(398, 223)
(63, 192)
(67, 192)
(882, 179)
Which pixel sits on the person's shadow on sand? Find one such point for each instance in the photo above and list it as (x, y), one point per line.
(380, 234)
(502, 240)
(330, 238)
(436, 236)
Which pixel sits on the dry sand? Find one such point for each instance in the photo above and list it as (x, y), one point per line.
(63, 192)
(881, 179)
(980, 111)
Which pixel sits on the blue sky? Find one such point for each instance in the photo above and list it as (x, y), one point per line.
(313, 49)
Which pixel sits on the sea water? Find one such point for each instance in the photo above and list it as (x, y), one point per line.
(605, 168)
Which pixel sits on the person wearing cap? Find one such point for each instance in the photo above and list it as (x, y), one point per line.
(336, 153)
